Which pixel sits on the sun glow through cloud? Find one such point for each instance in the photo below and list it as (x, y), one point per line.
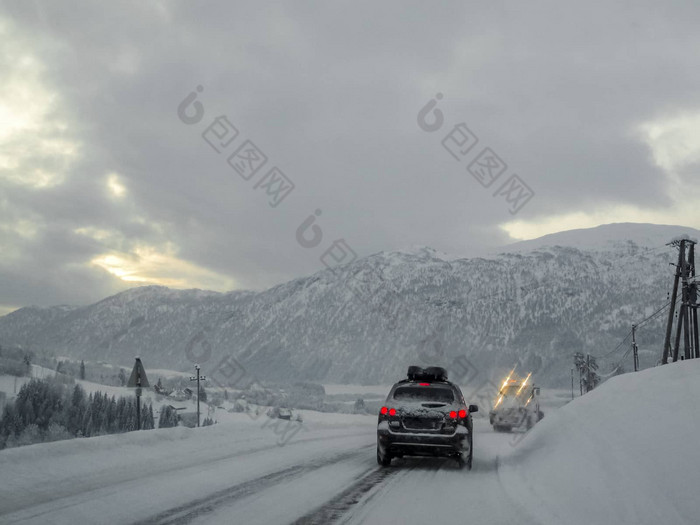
(674, 144)
(36, 149)
(115, 186)
(149, 265)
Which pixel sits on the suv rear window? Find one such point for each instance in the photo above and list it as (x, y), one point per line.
(424, 393)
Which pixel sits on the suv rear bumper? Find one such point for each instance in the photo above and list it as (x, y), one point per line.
(422, 444)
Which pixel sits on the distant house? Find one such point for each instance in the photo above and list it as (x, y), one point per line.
(181, 395)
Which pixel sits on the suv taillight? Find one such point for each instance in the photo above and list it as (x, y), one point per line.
(390, 411)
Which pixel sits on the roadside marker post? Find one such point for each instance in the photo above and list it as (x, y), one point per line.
(138, 380)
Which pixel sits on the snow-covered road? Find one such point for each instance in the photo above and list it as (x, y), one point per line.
(427, 490)
(621, 454)
(327, 475)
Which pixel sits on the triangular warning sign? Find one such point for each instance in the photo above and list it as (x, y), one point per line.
(138, 376)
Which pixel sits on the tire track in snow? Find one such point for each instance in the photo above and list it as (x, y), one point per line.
(340, 504)
(71, 491)
(195, 509)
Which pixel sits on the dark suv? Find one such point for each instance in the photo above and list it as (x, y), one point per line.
(425, 415)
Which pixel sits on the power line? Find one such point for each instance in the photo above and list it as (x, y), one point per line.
(629, 334)
(616, 348)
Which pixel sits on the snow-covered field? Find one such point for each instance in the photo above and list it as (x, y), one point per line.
(621, 454)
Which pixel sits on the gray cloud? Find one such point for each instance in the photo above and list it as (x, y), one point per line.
(330, 92)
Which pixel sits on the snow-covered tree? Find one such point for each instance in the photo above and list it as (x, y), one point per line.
(27, 360)
(168, 417)
(590, 371)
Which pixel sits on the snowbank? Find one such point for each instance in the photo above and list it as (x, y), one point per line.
(624, 453)
(44, 472)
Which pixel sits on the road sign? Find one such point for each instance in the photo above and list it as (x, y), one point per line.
(138, 377)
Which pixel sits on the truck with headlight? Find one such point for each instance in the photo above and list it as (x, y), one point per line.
(517, 405)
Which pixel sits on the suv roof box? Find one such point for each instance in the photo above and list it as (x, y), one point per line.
(415, 372)
(437, 373)
(431, 373)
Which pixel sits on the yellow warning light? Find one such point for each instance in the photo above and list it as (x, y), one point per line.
(524, 383)
(508, 378)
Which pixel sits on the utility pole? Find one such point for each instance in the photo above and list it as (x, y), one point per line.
(685, 307)
(674, 295)
(687, 323)
(693, 292)
(588, 373)
(197, 378)
(572, 383)
(635, 351)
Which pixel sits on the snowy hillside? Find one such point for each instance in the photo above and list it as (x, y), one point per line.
(608, 236)
(365, 322)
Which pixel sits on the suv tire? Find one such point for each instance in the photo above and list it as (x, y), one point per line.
(384, 461)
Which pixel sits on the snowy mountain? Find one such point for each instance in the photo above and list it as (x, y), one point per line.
(365, 322)
(608, 236)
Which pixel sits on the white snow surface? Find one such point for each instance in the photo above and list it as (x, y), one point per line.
(607, 236)
(623, 454)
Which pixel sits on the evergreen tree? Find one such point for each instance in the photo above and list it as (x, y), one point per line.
(168, 417)
(49, 411)
(88, 428)
(121, 414)
(110, 406)
(38, 402)
(130, 418)
(10, 424)
(590, 371)
(147, 421)
(76, 410)
(82, 369)
(27, 360)
(122, 377)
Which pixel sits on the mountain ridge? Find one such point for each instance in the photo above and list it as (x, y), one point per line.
(366, 321)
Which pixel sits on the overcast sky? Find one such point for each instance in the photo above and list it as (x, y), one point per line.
(594, 105)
